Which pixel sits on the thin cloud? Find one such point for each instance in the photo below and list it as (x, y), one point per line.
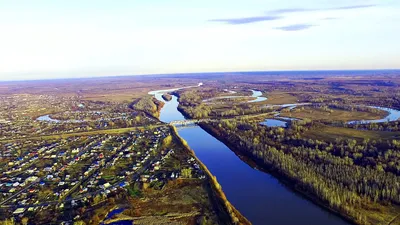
(245, 20)
(330, 18)
(295, 27)
(278, 14)
(289, 10)
(294, 10)
(355, 7)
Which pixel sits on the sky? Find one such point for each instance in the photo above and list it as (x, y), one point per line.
(45, 39)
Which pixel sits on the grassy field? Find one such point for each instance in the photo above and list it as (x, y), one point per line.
(180, 201)
(335, 115)
(378, 214)
(331, 133)
(276, 98)
(115, 97)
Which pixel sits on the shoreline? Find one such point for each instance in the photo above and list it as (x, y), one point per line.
(282, 178)
(216, 191)
(235, 216)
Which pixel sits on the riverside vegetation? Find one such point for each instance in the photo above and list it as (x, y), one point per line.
(352, 169)
(358, 179)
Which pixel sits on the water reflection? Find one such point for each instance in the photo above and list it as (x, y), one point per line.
(274, 123)
(393, 116)
(257, 195)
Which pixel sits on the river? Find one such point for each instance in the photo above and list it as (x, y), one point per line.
(255, 94)
(393, 115)
(47, 118)
(260, 197)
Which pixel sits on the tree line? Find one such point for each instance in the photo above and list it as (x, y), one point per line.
(345, 174)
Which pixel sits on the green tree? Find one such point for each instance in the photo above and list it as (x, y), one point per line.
(186, 173)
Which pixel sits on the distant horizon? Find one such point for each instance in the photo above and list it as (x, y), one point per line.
(198, 73)
(62, 39)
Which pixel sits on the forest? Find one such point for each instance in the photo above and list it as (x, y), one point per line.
(358, 179)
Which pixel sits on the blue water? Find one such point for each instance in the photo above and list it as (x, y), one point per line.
(274, 123)
(48, 119)
(122, 222)
(168, 112)
(255, 94)
(393, 116)
(114, 212)
(260, 197)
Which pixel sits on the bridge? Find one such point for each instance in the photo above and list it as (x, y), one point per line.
(189, 122)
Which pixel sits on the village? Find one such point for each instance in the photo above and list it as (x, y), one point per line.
(24, 115)
(49, 175)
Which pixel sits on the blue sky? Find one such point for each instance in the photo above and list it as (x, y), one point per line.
(76, 38)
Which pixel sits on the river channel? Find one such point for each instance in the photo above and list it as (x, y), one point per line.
(260, 197)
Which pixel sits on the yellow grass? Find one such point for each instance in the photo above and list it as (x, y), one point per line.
(115, 96)
(280, 98)
(335, 115)
(331, 133)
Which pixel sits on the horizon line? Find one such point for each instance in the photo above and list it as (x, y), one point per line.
(196, 73)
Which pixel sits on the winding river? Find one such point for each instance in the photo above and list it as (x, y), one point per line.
(392, 116)
(259, 196)
(255, 94)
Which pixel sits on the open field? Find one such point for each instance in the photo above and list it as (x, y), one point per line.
(333, 115)
(116, 89)
(329, 133)
(276, 98)
(183, 200)
(320, 159)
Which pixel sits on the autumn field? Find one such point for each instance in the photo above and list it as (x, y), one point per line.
(306, 112)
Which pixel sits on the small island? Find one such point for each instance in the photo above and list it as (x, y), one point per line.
(167, 97)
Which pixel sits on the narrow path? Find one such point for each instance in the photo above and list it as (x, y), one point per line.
(394, 219)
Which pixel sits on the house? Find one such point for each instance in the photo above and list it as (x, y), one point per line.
(19, 211)
(31, 179)
(107, 185)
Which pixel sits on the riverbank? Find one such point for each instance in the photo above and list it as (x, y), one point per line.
(113, 217)
(282, 177)
(149, 105)
(224, 207)
(258, 195)
(167, 97)
(333, 114)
